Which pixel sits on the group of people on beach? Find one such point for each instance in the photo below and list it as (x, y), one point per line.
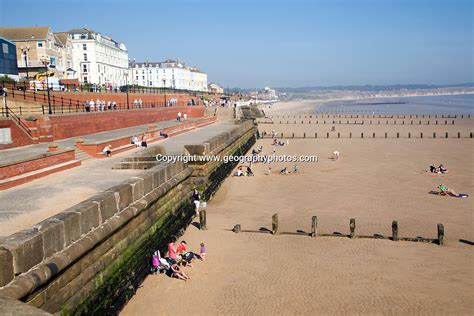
(439, 169)
(178, 258)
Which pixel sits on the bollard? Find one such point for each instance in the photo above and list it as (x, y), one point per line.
(419, 123)
(403, 122)
(301, 122)
(421, 135)
(470, 135)
(452, 123)
(446, 134)
(338, 135)
(314, 227)
(440, 234)
(459, 135)
(398, 135)
(445, 122)
(304, 135)
(315, 135)
(352, 226)
(371, 122)
(327, 135)
(275, 224)
(324, 122)
(350, 135)
(436, 122)
(361, 135)
(202, 220)
(236, 229)
(409, 135)
(385, 135)
(293, 135)
(434, 135)
(373, 135)
(428, 123)
(395, 231)
(411, 123)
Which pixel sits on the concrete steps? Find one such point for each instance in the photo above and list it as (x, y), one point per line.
(81, 156)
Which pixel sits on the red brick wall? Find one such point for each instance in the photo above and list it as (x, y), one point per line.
(19, 137)
(90, 123)
(35, 164)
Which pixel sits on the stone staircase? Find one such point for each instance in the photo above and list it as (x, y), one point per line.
(81, 156)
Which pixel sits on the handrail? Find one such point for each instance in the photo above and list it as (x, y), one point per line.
(10, 113)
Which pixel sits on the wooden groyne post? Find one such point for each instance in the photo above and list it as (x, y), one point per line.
(395, 231)
(440, 234)
(275, 224)
(202, 220)
(314, 227)
(352, 226)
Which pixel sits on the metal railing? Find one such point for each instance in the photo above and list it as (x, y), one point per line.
(6, 111)
(61, 104)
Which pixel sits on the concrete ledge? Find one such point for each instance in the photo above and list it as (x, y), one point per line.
(27, 249)
(10, 307)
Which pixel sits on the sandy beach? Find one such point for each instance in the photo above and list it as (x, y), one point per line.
(375, 182)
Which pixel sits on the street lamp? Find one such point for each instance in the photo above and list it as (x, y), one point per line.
(45, 62)
(126, 85)
(164, 90)
(25, 51)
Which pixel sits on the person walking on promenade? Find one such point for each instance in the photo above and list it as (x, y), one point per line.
(140, 103)
(179, 116)
(135, 103)
(91, 105)
(87, 106)
(114, 105)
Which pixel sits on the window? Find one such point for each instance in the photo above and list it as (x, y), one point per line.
(84, 46)
(83, 36)
(5, 48)
(85, 79)
(40, 44)
(85, 57)
(84, 68)
(52, 61)
(98, 68)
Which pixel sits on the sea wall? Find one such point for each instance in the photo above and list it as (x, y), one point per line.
(91, 258)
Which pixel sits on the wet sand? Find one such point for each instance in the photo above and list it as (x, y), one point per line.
(375, 181)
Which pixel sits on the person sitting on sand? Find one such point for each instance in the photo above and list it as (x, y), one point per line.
(336, 155)
(333, 129)
(442, 169)
(239, 172)
(296, 169)
(249, 172)
(432, 168)
(274, 142)
(284, 171)
(444, 190)
(175, 272)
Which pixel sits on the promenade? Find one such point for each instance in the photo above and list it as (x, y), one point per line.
(26, 205)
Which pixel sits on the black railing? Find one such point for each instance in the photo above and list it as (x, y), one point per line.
(61, 104)
(9, 113)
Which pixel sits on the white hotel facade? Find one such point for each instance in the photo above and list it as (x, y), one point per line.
(168, 74)
(98, 59)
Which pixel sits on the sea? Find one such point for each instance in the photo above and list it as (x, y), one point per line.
(446, 104)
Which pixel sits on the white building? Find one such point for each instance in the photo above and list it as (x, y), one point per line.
(167, 74)
(98, 59)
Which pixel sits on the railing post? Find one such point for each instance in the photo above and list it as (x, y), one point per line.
(314, 227)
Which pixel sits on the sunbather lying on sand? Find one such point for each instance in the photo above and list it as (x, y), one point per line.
(444, 190)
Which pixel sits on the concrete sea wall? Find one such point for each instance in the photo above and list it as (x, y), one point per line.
(91, 258)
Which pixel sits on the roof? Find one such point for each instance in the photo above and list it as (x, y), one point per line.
(26, 33)
(62, 37)
(6, 40)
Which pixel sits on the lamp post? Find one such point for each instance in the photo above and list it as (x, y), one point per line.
(164, 91)
(45, 62)
(25, 51)
(126, 85)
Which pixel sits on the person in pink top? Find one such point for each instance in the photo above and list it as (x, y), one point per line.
(172, 249)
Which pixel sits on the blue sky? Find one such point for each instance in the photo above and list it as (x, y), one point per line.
(280, 43)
